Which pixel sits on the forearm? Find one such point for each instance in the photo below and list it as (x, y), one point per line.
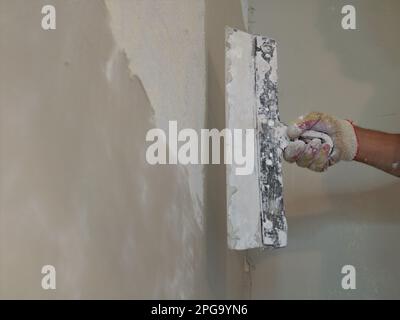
(378, 149)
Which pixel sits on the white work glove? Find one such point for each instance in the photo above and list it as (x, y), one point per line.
(314, 154)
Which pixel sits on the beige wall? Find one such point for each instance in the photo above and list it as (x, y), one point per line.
(76, 191)
(349, 215)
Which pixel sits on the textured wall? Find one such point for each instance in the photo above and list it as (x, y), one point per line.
(225, 265)
(76, 191)
(349, 215)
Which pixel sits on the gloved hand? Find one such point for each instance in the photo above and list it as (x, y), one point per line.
(313, 154)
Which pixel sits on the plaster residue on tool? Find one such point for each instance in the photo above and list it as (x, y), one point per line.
(256, 214)
(255, 203)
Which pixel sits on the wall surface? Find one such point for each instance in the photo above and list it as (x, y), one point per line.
(349, 215)
(76, 191)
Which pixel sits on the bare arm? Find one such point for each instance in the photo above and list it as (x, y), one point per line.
(379, 149)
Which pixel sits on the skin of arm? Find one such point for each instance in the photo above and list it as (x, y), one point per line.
(379, 149)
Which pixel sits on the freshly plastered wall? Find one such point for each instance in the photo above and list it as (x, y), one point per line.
(76, 191)
(350, 214)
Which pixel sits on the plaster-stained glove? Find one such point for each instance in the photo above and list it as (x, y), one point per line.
(314, 154)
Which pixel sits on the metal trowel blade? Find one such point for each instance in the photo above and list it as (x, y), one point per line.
(255, 201)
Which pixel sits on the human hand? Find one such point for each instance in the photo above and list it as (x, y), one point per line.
(315, 154)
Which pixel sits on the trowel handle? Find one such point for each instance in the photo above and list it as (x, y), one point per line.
(311, 134)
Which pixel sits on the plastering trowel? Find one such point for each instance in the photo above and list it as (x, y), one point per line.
(256, 214)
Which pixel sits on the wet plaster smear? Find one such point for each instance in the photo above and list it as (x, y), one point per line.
(75, 189)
